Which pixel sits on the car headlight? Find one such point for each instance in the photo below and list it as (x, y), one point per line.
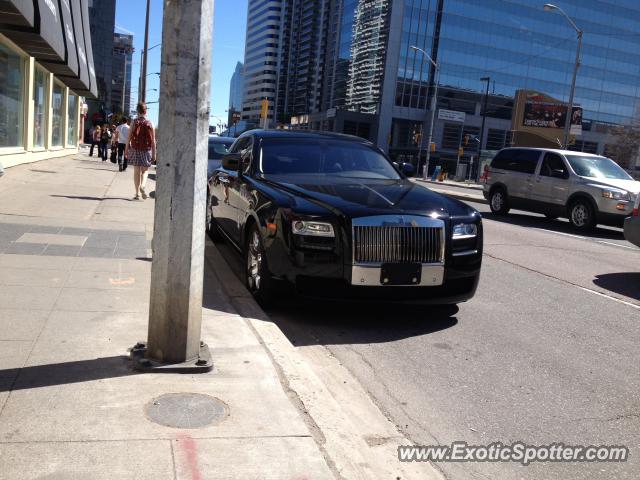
(465, 230)
(616, 194)
(311, 228)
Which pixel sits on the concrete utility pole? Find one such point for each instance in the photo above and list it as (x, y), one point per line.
(175, 312)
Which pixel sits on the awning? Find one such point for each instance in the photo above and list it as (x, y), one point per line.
(69, 67)
(41, 38)
(79, 83)
(17, 12)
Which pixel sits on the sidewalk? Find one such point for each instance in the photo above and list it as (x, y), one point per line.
(74, 293)
(459, 190)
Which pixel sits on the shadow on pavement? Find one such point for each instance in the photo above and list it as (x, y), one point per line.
(309, 322)
(81, 197)
(63, 373)
(561, 226)
(627, 283)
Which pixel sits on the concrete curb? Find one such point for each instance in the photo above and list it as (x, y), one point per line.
(461, 196)
(355, 437)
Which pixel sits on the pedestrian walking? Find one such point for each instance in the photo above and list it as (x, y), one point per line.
(105, 140)
(95, 140)
(141, 150)
(122, 137)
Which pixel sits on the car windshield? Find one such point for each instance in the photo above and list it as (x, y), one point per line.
(597, 167)
(217, 150)
(336, 158)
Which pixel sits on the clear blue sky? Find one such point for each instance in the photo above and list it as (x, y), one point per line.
(230, 18)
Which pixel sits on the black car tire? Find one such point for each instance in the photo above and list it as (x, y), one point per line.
(210, 225)
(258, 277)
(498, 201)
(582, 215)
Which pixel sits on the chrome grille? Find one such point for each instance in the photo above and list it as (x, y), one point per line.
(398, 244)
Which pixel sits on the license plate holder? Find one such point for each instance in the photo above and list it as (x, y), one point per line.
(400, 274)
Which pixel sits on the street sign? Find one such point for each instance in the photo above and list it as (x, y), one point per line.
(451, 115)
(331, 113)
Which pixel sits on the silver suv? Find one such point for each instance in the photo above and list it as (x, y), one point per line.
(586, 188)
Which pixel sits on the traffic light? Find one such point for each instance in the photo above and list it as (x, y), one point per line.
(460, 151)
(466, 140)
(433, 146)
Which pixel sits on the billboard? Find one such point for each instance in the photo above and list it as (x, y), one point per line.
(549, 115)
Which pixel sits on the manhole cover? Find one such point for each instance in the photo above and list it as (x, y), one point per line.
(186, 410)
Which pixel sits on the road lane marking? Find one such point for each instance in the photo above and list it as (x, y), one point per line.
(633, 305)
(563, 234)
(567, 282)
(617, 245)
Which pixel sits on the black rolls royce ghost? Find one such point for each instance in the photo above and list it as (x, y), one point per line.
(331, 216)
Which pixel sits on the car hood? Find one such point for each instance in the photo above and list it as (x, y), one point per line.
(364, 197)
(628, 185)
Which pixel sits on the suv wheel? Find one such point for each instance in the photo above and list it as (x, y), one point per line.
(258, 277)
(498, 201)
(582, 215)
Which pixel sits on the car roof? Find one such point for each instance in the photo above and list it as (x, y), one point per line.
(310, 134)
(555, 150)
(217, 139)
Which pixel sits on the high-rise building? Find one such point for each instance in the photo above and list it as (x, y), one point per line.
(347, 66)
(102, 19)
(261, 58)
(236, 88)
(121, 73)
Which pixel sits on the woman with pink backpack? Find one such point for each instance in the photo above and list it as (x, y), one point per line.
(141, 150)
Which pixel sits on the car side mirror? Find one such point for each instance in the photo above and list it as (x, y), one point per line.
(408, 169)
(231, 161)
(557, 173)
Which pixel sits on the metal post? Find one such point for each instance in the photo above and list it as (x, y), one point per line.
(567, 123)
(143, 90)
(459, 147)
(175, 311)
(434, 104)
(484, 117)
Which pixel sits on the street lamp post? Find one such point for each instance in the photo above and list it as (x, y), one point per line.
(484, 117)
(434, 102)
(567, 124)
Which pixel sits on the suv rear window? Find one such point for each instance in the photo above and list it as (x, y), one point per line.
(516, 160)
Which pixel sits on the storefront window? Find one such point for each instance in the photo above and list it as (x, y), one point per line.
(11, 98)
(72, 120)
(40, 87)
(57, 119)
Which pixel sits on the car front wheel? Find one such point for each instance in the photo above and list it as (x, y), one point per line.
(211, 227)
(582, 215)
(498, 202)
(258, 277)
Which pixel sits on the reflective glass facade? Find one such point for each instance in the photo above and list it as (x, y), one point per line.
(521, 46)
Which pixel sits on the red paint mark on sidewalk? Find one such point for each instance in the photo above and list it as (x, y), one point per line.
(189, 449)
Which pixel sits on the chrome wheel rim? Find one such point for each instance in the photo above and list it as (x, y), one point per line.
(496, 201)
(579, 215)
(254, 261)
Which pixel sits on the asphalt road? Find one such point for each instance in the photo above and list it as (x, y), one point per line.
(546, 352)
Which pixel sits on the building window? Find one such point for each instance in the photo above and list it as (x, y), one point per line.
(496, 139)
(11, 98)
(72, 120)
(57, 119)
(40, 89)
(451, 136)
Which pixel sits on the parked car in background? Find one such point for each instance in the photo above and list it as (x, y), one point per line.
(218, 148)
(588, 189)
(330, 216)
(632, 224)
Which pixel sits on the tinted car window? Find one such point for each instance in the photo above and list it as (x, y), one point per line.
(524, 161)
(217, 150)
(551, 162)
(324, 157)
